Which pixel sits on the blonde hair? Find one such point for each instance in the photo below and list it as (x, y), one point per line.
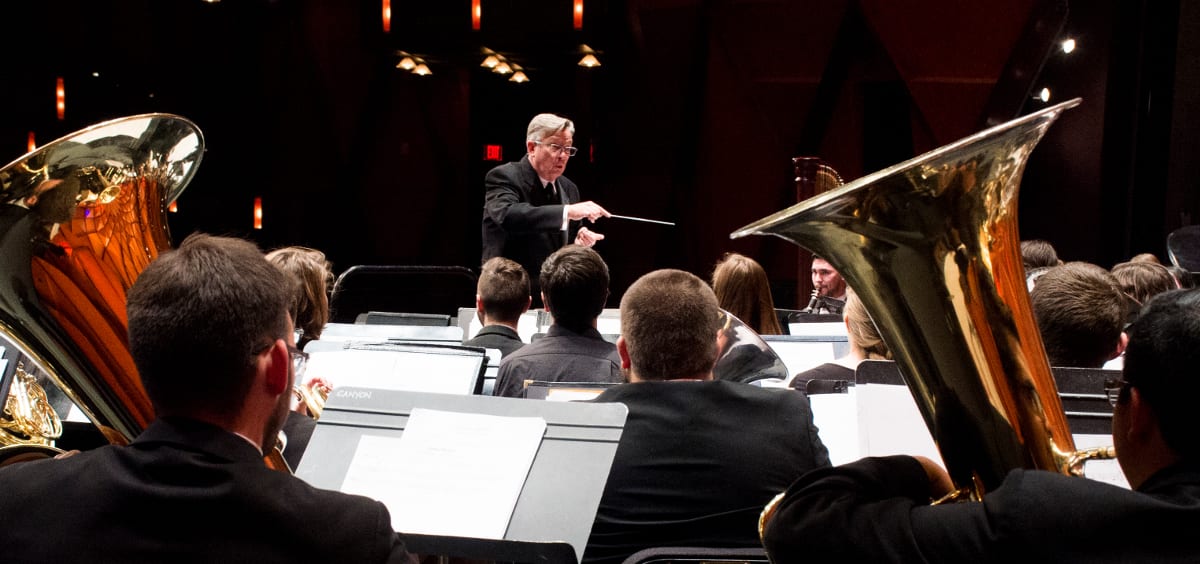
(862, 331)
(310, 300)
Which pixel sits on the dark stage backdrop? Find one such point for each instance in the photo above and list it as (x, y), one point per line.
(693, 117)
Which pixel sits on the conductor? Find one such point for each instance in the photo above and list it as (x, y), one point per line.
(530, 209)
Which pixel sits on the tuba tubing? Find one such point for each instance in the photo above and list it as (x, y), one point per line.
(931, 247)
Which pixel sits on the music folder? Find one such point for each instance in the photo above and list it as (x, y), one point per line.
(553, 515)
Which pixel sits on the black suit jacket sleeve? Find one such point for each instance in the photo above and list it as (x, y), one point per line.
(878, 510)
(856, 512)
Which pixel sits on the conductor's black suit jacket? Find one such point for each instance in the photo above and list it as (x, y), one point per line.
(183, 491)
(522, 223)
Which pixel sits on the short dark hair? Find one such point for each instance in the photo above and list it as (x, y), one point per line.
(669, 320)
(1038, 253)
(1080, 312)
(197, 315)
(575, 282)
(504, 289)
(1161, 361)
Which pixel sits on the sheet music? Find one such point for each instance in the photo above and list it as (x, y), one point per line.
(526, 325)
(573, 394)
(454, 474)
(395, 370)
(823, 329)
(890, 423)
(836, 418)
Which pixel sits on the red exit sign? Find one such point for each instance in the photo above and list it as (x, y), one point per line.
(492, 153)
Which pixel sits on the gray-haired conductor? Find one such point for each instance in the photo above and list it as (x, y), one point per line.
(530, 209)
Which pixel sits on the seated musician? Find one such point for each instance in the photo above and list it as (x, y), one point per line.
(829, 288)
(1080, 313)
(698, 457)
(864, 343)
(743, 290)
(574, 283)
(502, 296)
(311, 276)
(878, 509)
(210, 334)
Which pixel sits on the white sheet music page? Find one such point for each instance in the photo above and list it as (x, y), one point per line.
(455, 474)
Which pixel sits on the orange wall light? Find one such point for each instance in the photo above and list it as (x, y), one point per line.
(476, 13)
(60, 94)
(578, 14)
(387, 16)
(258, 213)
(32, 144)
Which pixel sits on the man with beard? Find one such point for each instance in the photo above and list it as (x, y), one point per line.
(213, 342)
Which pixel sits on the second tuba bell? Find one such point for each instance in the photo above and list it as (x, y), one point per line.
(931, 247)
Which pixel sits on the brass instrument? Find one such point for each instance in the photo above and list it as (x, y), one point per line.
(80, 218)
(931, 248)
(28, 416)
(312, 396)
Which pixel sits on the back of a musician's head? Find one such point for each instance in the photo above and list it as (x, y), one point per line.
(1080, 311)
(1142, 280)
(669, 321)
(742, 289)
(197, 317)
(504, 289)
(574, 280)
(1037, 253)
(310, 298)
(861, 330)
(1161, 363)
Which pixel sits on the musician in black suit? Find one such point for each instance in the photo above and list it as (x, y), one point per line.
(502, 296)
(210, 334)
(530, 209)
(878, 509)
(698, 458)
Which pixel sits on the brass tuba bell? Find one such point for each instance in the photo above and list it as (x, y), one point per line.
(931, 248)
(80, 218)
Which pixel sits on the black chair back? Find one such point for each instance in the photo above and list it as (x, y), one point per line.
(401, 288)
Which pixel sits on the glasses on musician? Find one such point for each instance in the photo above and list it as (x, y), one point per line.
(557, 149)
(1114, 389)
(299, 361)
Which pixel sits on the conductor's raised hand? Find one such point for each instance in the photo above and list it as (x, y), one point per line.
(586, 237)
(586, 210)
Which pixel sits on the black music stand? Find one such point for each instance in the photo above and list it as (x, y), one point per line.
(553, 515)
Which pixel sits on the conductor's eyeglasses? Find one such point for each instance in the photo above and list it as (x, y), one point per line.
(557, 149)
